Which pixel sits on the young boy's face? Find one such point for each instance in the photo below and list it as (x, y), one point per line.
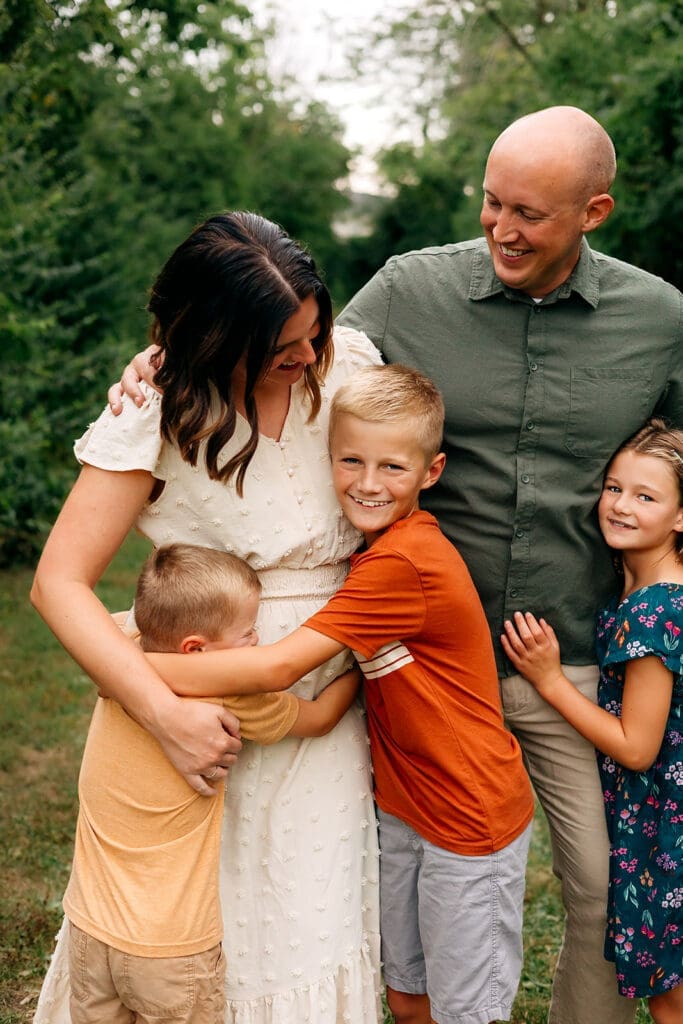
(378, 471)
(242, 630)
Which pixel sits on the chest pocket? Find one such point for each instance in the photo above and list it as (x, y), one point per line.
(605, 407)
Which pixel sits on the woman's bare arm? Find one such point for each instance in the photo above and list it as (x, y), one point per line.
(91, 527)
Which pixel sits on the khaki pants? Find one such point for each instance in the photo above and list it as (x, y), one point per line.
(111, 987)
(563, 769)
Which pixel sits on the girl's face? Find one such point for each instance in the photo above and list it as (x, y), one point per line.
(640, 506)
(294, 351)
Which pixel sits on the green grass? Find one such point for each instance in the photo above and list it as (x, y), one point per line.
(44, 713)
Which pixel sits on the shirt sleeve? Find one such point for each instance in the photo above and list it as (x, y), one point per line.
(129, 441)
(671, 406)
(352, 350)
(368, 310)
(380, 602)
(649, 622)
(264, 717)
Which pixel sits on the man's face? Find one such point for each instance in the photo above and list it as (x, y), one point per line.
(532, 219)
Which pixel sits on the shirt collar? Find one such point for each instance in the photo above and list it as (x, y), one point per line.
(584, 280)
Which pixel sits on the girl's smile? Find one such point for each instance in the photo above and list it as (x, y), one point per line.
(639, 509)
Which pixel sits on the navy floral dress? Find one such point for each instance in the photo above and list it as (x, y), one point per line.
(644, 809)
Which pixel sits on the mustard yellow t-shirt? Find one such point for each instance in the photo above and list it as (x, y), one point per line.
(145, 870)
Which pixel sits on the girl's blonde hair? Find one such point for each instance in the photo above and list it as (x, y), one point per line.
(657, 439)
(185, 589)
(393, 394)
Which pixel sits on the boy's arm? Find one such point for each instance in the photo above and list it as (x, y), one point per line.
(318, 716)
(246, 669)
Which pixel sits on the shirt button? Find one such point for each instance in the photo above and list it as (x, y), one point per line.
(525, 478)
(513, 593)
(537, 309)
(531, 425)
(290, 472)
(519, 533)
(533, 367)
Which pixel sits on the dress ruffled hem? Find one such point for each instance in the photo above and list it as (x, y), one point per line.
(351, 994)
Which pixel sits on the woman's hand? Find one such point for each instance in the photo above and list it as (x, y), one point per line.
(532, 647)
(201, 739)
(139, 368)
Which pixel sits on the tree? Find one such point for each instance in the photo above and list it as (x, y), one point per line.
(489, 61)
(122, 125)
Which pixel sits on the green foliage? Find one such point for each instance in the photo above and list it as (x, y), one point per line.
(489, 61)
(122, 125)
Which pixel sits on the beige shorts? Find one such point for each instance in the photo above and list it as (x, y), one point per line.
(111, 987)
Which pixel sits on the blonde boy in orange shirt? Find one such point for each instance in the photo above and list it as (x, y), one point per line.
(455, 804)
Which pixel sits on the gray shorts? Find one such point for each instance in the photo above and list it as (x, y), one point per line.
(451, 925)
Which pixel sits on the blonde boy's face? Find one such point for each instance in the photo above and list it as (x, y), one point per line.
(378, 471)
(242, 630)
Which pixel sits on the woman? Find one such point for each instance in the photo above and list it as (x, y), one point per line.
(234, 455)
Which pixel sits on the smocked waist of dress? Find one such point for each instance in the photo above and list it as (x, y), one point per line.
(302, 584)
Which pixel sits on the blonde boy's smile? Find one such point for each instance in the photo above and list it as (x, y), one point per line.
(379, 470)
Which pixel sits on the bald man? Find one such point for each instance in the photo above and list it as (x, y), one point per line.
(548, 355)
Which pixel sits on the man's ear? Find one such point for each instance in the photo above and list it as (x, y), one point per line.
(434, 471)
(598, 210)
(192, 644)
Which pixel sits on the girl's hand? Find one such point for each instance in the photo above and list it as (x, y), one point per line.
(139, 368)
(532, 647)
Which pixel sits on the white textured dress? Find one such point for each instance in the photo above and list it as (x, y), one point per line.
(299, 860)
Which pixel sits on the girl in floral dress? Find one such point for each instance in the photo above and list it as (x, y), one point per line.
(638, 727)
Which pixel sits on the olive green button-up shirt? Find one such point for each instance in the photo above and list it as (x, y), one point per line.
(538, 396)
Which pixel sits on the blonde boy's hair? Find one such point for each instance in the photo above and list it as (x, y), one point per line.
(393, 394)
(185, 589)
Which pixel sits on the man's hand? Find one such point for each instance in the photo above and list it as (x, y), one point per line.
(202, 740)
(532, 647)
(139, 368)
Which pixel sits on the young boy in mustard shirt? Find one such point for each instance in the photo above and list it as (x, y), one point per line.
(142, 901)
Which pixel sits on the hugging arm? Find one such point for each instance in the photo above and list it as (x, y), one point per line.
(91, 527)
(318, 716)
(139, 368)
(632, 739)
(241, 670)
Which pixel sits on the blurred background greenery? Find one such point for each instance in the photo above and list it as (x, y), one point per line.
(123, 124)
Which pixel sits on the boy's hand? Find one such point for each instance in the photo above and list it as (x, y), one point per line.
(139, 368)
(532, 647)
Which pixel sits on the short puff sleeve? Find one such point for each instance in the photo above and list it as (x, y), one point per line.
(353, 350)
(648, 622)
(131, 440)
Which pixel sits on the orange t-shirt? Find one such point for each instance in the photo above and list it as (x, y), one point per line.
(443, 760)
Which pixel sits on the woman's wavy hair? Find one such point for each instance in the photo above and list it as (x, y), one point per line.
(227, 292)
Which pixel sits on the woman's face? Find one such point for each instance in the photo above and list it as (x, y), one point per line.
(294, 351)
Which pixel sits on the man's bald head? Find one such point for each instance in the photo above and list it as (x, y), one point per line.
(572, 139)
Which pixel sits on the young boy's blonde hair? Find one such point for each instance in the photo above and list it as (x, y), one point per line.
(393, 394)
(185, 589)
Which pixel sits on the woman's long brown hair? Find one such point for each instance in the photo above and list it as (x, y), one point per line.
(227, 292)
